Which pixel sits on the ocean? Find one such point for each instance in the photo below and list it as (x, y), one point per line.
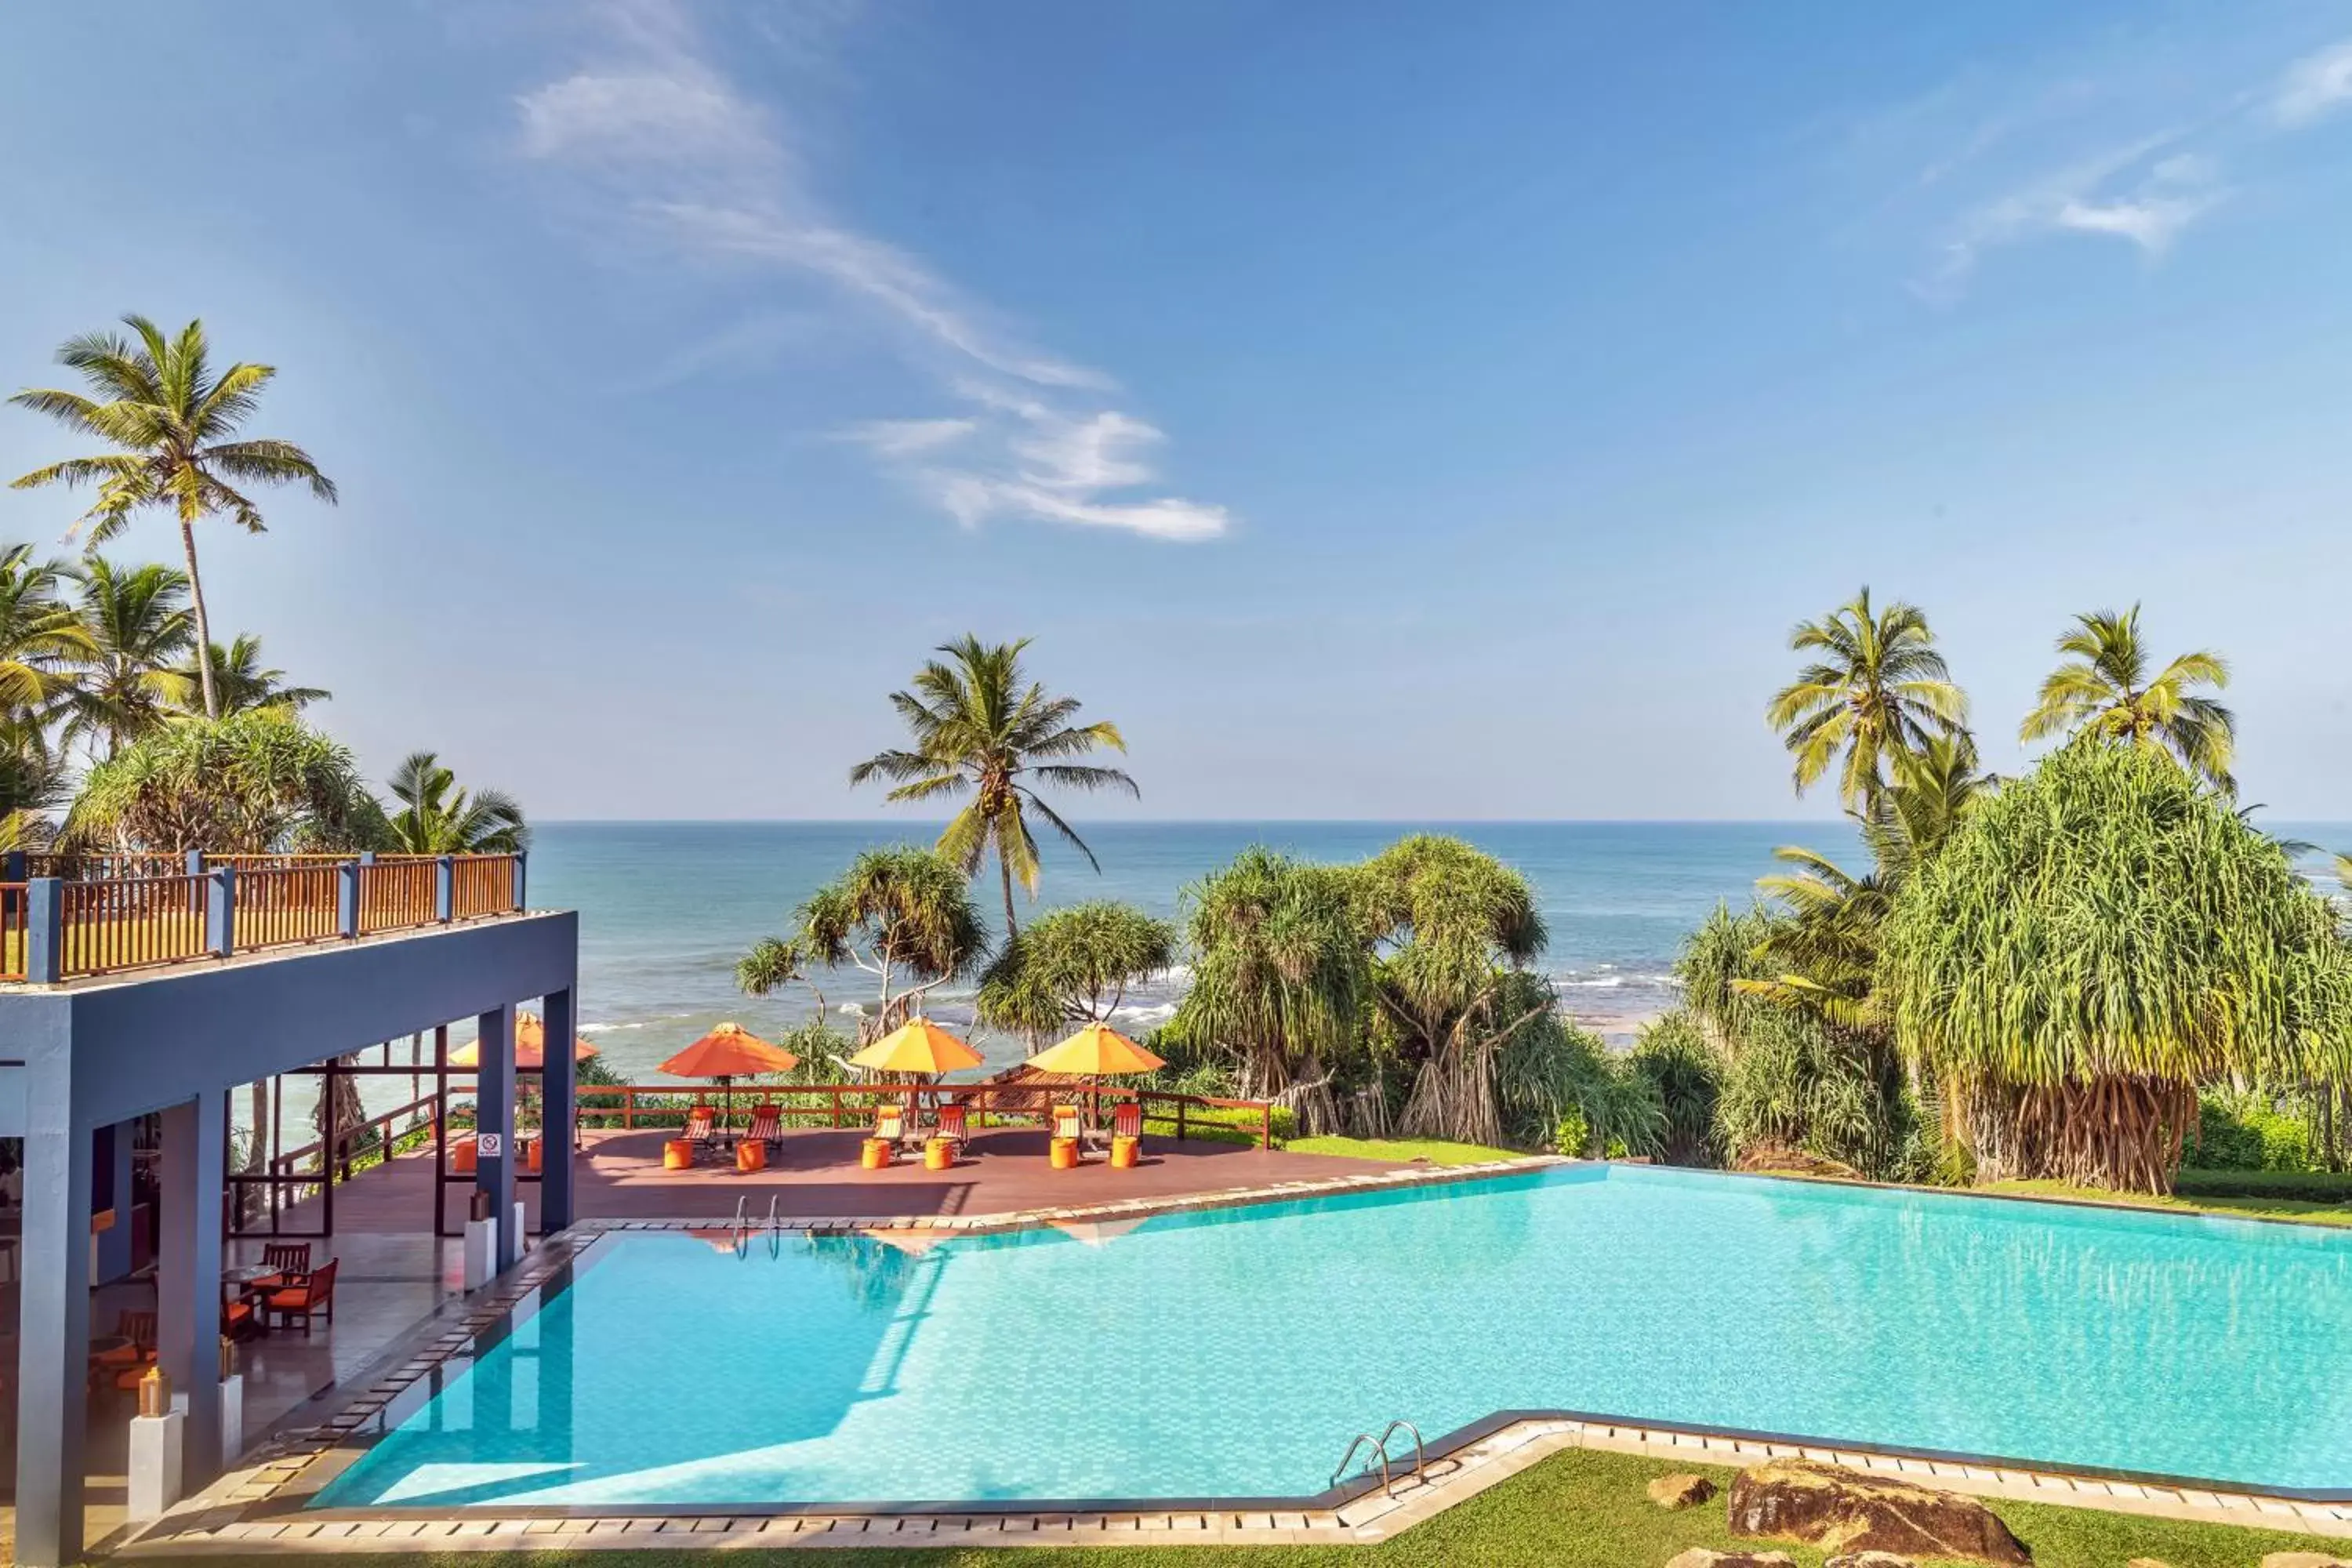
(666, 909)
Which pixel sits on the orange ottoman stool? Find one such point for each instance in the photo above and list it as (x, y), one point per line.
(462, 1154)
(752, 1155)
(874, 1154)
(1063, 1152)
(677, 1155)
(1125, 1152)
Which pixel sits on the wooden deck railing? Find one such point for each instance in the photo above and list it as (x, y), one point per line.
(56, 924)
(131, 923)
(852, 1104)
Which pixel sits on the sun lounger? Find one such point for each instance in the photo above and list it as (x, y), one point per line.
(767, 1125)
(955, 1126)
(890, 1123)
(701, 1126)
(1127, 1118)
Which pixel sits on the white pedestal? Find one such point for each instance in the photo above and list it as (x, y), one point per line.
(232, 1417)
(522, 1232)
(481, 1252)
(155, 1442)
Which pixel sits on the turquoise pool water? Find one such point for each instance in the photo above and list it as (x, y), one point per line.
(1234, 1353)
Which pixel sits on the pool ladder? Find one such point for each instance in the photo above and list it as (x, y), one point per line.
(742, 1226)
(1380, 1447)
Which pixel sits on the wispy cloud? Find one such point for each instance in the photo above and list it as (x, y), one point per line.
(673, 149)
(2316, 86)
(2138, 141)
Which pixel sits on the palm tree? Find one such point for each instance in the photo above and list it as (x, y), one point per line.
(137, 620)
(1880, 688)
(40, 635)
(240, 681)
(430, 820)
(979, 731)
(2104, 688)
(158, 401)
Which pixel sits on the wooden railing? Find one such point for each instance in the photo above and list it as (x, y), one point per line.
(55, 927)
(396, 894)
(852, 1104)
(132, 923)
(481, 885)
(13, 927)
(286, 906)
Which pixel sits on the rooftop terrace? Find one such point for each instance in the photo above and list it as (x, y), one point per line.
(68, 918)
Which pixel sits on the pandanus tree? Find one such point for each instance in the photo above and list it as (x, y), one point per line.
(979, 728)
(1072, 966)
(1876, 689)
(2097, 941)
(1281, 978)
(173, 426)
(251, 784)
(1453, 926)
(2104, 689)
(903, 915)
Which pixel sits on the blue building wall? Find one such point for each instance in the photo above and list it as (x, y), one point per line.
(95, 1054)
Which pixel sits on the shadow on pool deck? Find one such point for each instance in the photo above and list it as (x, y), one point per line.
(815, 1173)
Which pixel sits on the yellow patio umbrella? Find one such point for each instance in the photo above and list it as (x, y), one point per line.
(529, 1045)
(1094, 1053)
(916, 1046)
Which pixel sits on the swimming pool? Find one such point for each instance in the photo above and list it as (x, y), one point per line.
(1233, 1354)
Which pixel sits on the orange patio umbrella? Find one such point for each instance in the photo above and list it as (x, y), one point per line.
(529, 1045)
(730, 1052)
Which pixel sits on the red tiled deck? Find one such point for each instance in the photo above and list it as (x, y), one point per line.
(815, 1173)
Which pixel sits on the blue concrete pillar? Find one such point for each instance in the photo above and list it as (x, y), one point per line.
(195, 863)
(522, 866)
(445, 889)
(53, 1349)
(45, 930)
(557, 1096)
(188, 1273)
(347, 898)
(494, 1101)
(220, 913)
(110, 1180)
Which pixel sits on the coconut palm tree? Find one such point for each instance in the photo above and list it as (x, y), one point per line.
(1878, 689)
(2095, 941)
(981, 729)
(902, 915)
(174, 423)
(137, 620)
(2104, 689)
(240, 681)
(40, 636)
(431, 820)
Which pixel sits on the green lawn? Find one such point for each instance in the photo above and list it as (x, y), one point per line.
(1577, 1510)
(2257, 1207)
(1430, 1149)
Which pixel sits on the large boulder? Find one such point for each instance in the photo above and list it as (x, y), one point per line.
(1846, 1511)
(1681, 1490)
(1870, 1560)
(1700, 1557)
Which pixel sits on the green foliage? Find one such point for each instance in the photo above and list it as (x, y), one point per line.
(1685, 1071)
(252, 782)
(1281, 978)
(1795, 1082)
(1073, 965)
(2308, 1186)
(240, 681)
(2104, 691)
(137, 621)
(432, 820)
(2096, 939)
(2247, 1133)
(1553, 1078)
(902, 915)
(979, 730)
(1716, 961)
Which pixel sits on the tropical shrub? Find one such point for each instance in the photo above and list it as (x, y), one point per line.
(2095, 943)
(1685, 1073)
(1553, 1078)
(1072, 966)
(251, 783)
(2247, 1133)
(904, 916)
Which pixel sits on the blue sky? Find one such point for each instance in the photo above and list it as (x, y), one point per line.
(1380, 410)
